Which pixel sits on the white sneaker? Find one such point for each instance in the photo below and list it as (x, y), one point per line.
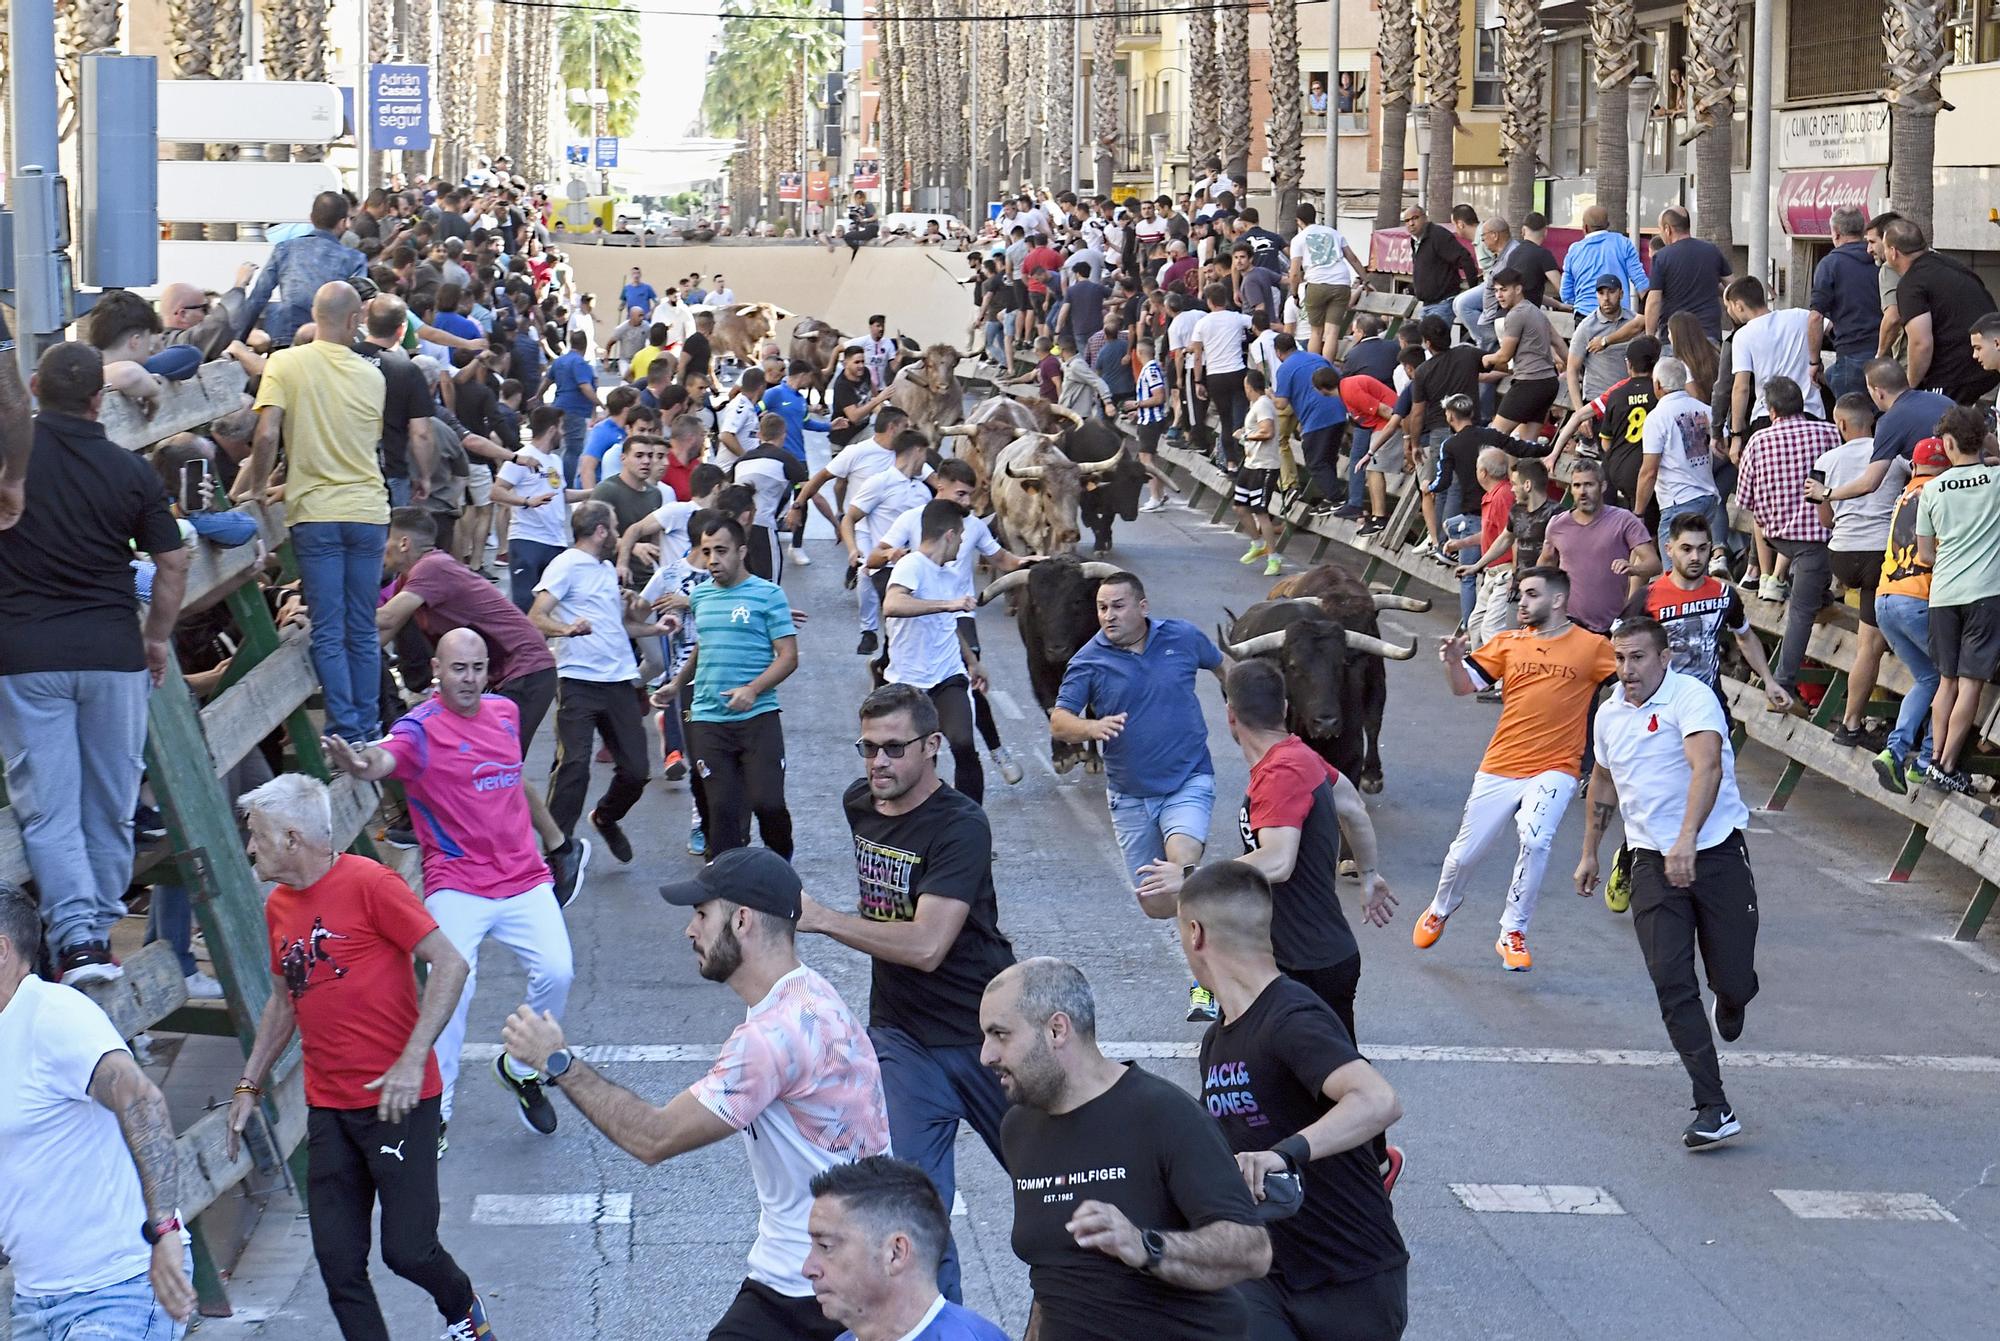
(1003, 759)
(201, 987)
(1153, 505)
(800, 557)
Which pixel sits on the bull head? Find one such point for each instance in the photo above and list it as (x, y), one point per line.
(1266, 644)
(1026, 473)
(1006, 582)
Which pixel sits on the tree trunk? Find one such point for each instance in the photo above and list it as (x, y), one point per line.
(1023, 61)
(1442, 26)
(889, 106)
(1204, 132)
(1232, 58)
(955, 147)
(1398, 50)
(1059, 127)
(1917, 49)
(1712, 62)
(1288, 154)
(1522, 119)
(1614, 41)
(418, 47)
(1104, 94)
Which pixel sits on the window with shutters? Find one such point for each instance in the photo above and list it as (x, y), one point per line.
(1833, 48)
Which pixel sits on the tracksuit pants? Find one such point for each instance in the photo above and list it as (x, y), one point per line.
(1535, 806)
(953, 700)
(742, 768)
(1718, 915)
(584, 710)
(531, 925)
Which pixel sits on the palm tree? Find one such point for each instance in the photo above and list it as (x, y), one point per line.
(1443, 24)
(1399, 66)
(994, 65)
(1523, 116)
(1232, 59)
(541, 72)
(206, 43)
(419, 19)
(1288, 152)
(460, 96)
(1614, 44)
(1713, 63)
(516, 35)
(1021, 65)
(1059, 103)
(1914, 41)
(1104, 93)
(607, 29)
(1204, 102)
(295, 43)
(890, 107)
(953, 139)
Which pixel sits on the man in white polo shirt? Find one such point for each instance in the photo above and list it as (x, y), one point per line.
(1664, 762)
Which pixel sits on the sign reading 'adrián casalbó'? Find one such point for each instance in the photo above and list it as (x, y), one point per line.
(1851, 135)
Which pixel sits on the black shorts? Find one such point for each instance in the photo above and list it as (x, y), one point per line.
(1149, 437)
(1254, 488)
(1528, 402)
(1374, 1308)
(1860, 571)
(760, 1313)
(1965, 639)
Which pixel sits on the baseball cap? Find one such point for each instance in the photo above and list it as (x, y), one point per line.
(1610, 282)
(1929, 454)
(755, 877)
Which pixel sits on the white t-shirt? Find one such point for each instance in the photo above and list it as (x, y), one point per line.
(908, 529)
(1322, 253)
(675, 574)
(70, 1205)
(673, 519)
(767, 481)
(1676, 431)
(881, 498)
(1180, 331)
(1774, 345)
(1261, 454)
(1151, 232)
(1861, 524)
(587, 588)
(721, 297)
(739, 416)
(1642, 746)
(1221, 336)
(546, 523)
(924, 649)
(859, 459)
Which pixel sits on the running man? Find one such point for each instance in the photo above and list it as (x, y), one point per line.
(927, 649)
(459, 758)
(1550, 669)
(1664, 763)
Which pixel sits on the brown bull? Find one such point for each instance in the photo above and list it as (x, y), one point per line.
(1038, 494)
(818, 343)
(992, 426)
(742, 328)
(929, 392)
(1343, 595)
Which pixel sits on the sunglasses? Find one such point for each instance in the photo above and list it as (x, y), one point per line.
(895, 749)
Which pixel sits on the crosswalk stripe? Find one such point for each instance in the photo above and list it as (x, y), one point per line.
(1536, 1199)
(1817, 1205)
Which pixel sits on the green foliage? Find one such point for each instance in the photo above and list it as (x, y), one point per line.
(762, 58)
(620, 65)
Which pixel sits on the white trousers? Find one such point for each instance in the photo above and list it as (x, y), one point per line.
(1494, 613)
(1536, 806)
(531, 925)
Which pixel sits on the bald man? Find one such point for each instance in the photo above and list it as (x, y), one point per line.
(458, 756)
(191, 317)
(324, 403)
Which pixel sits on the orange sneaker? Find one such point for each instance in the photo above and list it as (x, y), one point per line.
(1429, 927)
(1513, 948)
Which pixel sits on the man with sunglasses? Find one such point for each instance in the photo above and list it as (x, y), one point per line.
(928, 917)
(191, 317)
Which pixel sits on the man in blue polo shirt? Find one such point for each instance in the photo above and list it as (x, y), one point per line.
(1138, 676)
(787, 400)
(1318, 418)
(575, 386)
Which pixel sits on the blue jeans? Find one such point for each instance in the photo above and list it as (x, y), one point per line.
(1442, 308)
(527, 560)
(928, 1092)
(399, 493)
(1467, 308)
(996, 343)
(1709, 506)
(1144, 823)
(1906, 622)
(576, 423)
(340, 568)
(1844, 376)
(73, 742)
(171, 919)
(1461, 542)
(125, 1311)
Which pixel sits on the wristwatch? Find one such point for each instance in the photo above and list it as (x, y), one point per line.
(153, 1233)
(557, 1066)
(1156, 1248)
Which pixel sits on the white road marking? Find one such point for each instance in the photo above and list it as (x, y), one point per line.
(474, 1053)
(1009, 706)
(1536, 1199)
(553, 1208)
(1808, 1205)
(958, 1205)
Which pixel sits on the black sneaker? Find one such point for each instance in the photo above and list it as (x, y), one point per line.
(566, 867)
(1372, 525)
(1948, 780)
(614, 837)
(87, 961)
(1348, 512)
(1711, 1125)
(537, 1114)
(147, 826)
(866, 647)
(1850, 737)
(399, 836)
(1728, 1020)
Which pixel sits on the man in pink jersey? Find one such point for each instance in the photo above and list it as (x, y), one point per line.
(458, 757)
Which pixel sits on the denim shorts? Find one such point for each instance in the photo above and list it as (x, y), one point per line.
(124, 1311)
(1143, 823)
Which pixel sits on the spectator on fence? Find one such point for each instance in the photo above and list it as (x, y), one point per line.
(1768, 345)
(77, 665)
(298, 269)
(1846, 294)
(1676, 469)
(1529, 351)
(1860, 535)
(325, 403)
(406, 451)
(1372, 354)
(1771, 485)
(1606, 552)
(1903, 610)
(191, 316)
(1440, 266)
(1958, 534)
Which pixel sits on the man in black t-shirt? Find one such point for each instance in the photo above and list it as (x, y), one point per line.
(854, 398)
(1621, 422)
(1282, 1078)
(406, 450)
(929, 919)
(696, 354)
(1938, 299)
(1128, 1207)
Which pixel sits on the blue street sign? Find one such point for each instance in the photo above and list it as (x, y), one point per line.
(399, 106)
(607, 151)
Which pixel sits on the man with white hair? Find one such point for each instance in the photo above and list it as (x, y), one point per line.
(1675, 469)
(342, 930)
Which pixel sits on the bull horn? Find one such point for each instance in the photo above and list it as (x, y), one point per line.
(1101, 571)
(957, 430)
(1015, 472)
(1003, 584)
(1262, 645)
(1386, 601)
(1064, 412)
(1376, 647)
(1104, 467)
(779, 313)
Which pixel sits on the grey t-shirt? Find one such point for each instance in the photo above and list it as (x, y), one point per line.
(1861, 523)
(1606, 368)
(1534, 359)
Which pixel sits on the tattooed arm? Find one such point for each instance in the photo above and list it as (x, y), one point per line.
(148, 1127)
(1596, 819)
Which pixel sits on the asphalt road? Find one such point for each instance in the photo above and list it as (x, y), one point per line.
(1861, 1201)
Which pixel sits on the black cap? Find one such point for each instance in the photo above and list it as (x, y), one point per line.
(1610, 281)
(755, 877)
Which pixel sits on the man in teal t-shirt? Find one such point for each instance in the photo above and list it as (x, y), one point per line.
(1958, 533)
(745, 646)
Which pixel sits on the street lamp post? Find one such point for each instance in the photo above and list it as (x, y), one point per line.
(1422, 117)
(1638, 113)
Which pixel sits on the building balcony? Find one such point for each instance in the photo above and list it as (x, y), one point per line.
(1136, 30)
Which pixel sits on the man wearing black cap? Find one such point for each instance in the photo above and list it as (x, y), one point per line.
(798, 1078)
(928, 918)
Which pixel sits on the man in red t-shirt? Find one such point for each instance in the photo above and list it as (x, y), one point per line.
(1038, 267)
(342, 931)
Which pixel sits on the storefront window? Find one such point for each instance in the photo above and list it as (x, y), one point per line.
(1573, 105)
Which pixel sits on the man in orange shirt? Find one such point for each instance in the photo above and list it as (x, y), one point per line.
(1551, 670)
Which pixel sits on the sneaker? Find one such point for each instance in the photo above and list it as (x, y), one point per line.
(1372, 525)
(1429, 927)
(1773, 589)
(800, 557)
(866, 647)
(147, 826)
(1348, 512)
(1618, 889)
(400, 835)
(1153, 505)
(1513, 950)
(1947, 780)
(1003, 759)
(614, 837)
(1201, 1005)
(697, 842)
(1251, 555)
(201, 987)
(473, 1326)
(87, 961)
(1392, 1168)
(677, 766)
(1889, 772)
(1273, 567)
(537, 1114)
(603, 754)
(1718, 564)
(1728, 1020)
(1850, 737)
(566, 867)
(1711, 1124)
(444, 1142)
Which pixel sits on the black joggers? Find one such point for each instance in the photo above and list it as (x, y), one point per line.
(742, 768)
(584, 709)
(352, 1161)
(953, 700)
(1719, 914)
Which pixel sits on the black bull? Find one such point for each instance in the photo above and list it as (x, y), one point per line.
(1056, 614)
(1104, 501)
(1335, 683)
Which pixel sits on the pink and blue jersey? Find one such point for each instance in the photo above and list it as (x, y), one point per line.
(462, 776)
